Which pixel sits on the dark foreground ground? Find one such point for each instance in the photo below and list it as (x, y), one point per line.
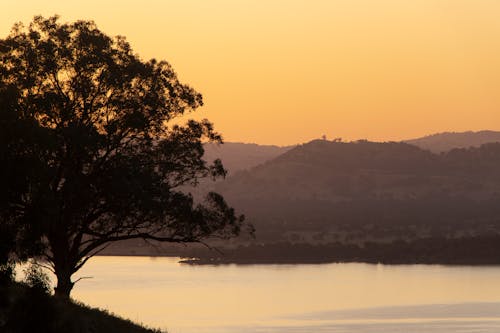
(24, 310)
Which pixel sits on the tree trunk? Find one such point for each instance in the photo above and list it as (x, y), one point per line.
(64, 285)
(63, 263)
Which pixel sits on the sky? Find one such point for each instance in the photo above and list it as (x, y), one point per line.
(289, 71)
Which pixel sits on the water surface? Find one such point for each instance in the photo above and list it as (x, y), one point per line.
(162, 293)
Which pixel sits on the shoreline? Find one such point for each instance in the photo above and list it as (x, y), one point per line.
(291, 261)
(470, 251)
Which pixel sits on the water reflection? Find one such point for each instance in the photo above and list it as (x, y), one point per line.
(294, 298)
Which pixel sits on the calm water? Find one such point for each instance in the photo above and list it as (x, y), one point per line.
(161, 293)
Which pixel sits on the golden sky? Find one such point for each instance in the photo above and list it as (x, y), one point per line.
(288, 71)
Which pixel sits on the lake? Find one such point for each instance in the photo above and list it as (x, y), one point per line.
(161, 293)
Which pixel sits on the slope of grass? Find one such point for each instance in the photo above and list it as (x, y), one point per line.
(24, 309)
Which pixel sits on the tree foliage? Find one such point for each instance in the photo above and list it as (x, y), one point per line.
(91, 148)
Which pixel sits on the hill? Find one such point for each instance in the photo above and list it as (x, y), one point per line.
(446, 141)
(323, 191)
(244, 156)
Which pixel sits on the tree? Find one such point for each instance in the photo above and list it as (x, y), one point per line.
(16, 236)
(94, 124)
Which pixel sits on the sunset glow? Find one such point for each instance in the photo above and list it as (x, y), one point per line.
(285, 72)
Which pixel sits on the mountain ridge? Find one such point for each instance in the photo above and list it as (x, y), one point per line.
(238, 156)
(445, 141)
(322, 187)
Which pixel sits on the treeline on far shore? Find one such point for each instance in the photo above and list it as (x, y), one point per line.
(479, 250)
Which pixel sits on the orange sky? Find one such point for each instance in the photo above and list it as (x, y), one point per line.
(287, 71)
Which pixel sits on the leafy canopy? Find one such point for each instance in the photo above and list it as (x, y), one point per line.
(89, 153)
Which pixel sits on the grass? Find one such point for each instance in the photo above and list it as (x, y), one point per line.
(24, 309)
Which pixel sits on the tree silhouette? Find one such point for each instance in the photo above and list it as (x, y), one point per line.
(95, 156)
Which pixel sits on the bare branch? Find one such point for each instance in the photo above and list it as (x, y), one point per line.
(82, 278)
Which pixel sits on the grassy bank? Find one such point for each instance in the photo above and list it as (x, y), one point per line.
(24, 309)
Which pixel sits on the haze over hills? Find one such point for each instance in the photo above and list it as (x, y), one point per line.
(241, 156)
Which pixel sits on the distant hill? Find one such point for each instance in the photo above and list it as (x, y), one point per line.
(242, 156)
(391, 202)
(325, 169)
(446, 141)
(362, 189)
